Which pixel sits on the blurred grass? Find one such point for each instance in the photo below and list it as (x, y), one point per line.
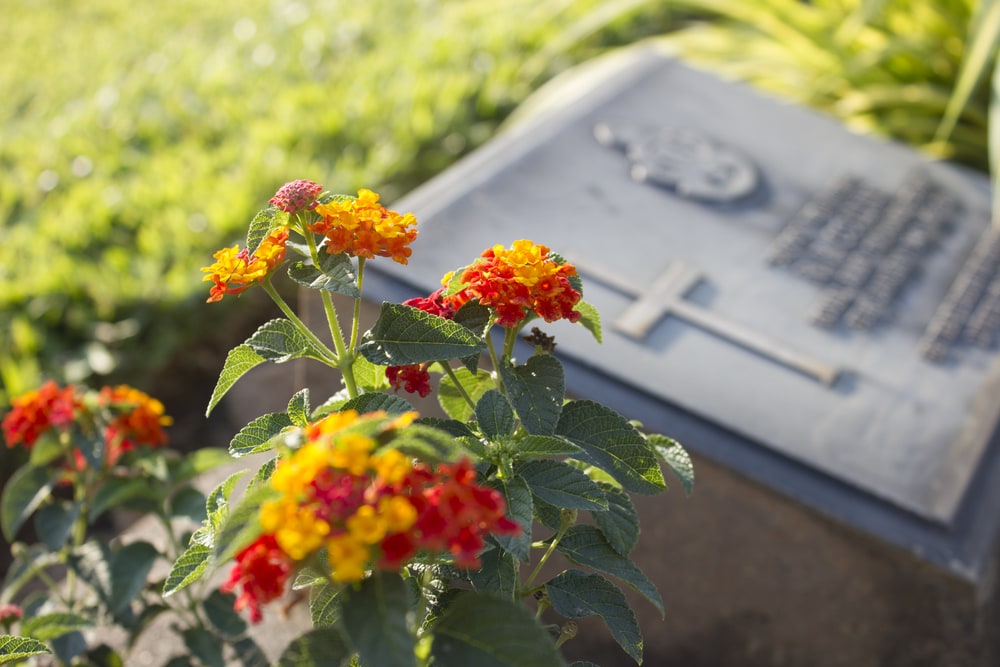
(137, 138)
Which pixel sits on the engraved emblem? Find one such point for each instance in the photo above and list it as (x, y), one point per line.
(683, 160)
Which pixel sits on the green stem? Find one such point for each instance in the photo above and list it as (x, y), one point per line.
(545, 557)
(330, 358)
(458, 385)
(495, 361)
(355, 325)
(510, 337)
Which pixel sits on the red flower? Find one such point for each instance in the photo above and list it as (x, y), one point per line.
(261, 571)
(296, 196)
(140, 421)
(37, 411)
(413, 379)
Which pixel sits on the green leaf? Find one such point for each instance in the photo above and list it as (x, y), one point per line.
(27, 563)
(374, 617)
(23, 493)
(49, 626)
(257, 436)
(262, 224)
(518, 497)
(368, 376)
(298, 408)
(495, 416)
(405, 335)
(130, 565)
(263, 475)
(429, 444)
(334, 274)
(322, 647)
(496, 575)
(590, 318)
(281, 340)
(199, 462)
(478, 319)
(187, 569)
(620, 524)
(393, 405)
(242, 526)
(324, 605)
(487, 631)
(68, 646)
(546, 514)
(15, 649)
(54, 523)
(119, 491)
(533, 446)
(204, 645)
(451, 399)
(188, 502)
(104, 656)
(250, 654)
(46, 449)
(609, 441)
(587, 546)
(91, 563)
(537, 390)
(561, 485)
(575, 594)
(676, 458)
(239, 361)
(451, 426)
(218, 607)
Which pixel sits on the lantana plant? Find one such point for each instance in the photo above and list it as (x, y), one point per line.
(424, 540)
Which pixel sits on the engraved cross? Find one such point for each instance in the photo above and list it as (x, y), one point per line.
(665, 297)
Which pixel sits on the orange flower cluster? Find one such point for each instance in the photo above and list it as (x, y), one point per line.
(518, 280)
(366, 506)
(35, 412)
(235, 270)
(364, 228)
(139, 420)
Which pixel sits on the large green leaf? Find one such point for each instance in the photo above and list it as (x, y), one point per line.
(393, 405)
(676, 457)
(188, 502)
(430, 444)
(374, 615)
(518, 497)
(537, 390)
(497, 574)
(487, 631)
(204, 645)
(281, 340)
(15, 649)
(610, 442)
(495, 416)
(561, 485)
(587, 546)
(224, 619)
(239, 361)
(130, 565)
(187, 569)
(620, 524)
(256, 436)
(49, 626)
(590, 318)
(262, 224)
(575, 594)
(324, 605)
(335, 273)
(54, 522)
(405, 335)
(119, 491)
(298, 408)
(534, 446)
(322, 647)
(453, 401)
(250, 654)
(23, 493)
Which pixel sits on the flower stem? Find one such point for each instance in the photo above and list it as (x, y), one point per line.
(355, 325)
(458, 385)
(330, 358)
(495, 361)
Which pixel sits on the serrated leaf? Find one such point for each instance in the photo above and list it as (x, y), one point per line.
(534, 446)
(49, 626)
(478, 319)
(241, 526)
(575, 594)
(451, 399)
(374, 616)
(368, 376)
(332, 404)
(119, 491)
(546, 514)
(676, 457)
(240, 360)
(281, 340)
(15, 649)
(494, 415)
(497, 574)
(561, 485)
(620, 524)
(218, 607)
(519, 508)
(590, 318)
(450, 426)
(257, 436)
(54, 523)
(335, 273)
(129, 565)
(428, 444)
(610, 442)
(23, 493)
(393, 405)
(324, 605)
(250, 654)
(298, 408)
(405, 335)
(187, 569)
(199, 462)
(322, 647)
(188, 502)
(587, 546)
(537, 390)
(204, 645)
(261, 225)
(263, 475)
(487, 631)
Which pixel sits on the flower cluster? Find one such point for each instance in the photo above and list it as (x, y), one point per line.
(139, 420)
(366, 506)
(414, 378)
(517, 280)
(35, 412)
(296, 196)
(364, 228)
(235, 270)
